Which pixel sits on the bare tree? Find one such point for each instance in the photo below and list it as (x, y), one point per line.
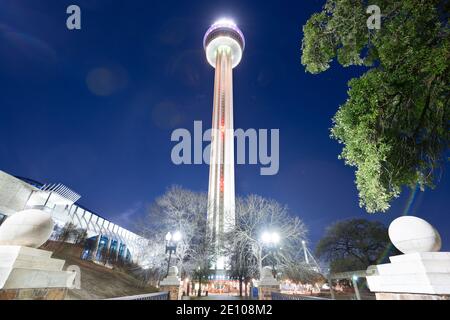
(81, 236)
(242, 262)
(180, 210)
(255, 215)
(200, 259)
(151, 256)
(185, 211)
(67, 232)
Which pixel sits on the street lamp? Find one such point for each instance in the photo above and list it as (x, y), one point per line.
(171, 245)
(355, 286)
(271, 240)
(176, 236)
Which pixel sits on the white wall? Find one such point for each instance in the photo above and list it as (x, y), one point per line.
(14, 193)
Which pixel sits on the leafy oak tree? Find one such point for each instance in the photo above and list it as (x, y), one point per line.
(354, 244)
(395, 124)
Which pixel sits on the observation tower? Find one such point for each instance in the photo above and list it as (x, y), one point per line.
(224, 44)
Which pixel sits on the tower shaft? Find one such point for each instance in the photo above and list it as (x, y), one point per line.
(221, 201)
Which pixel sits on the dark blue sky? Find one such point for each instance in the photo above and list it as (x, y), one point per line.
(94, 109)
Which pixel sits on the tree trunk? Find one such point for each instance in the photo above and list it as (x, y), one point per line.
(240, 287)
(246, 289)
(199, 293)
(260, 261)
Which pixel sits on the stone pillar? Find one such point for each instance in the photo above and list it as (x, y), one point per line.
(26, 272)
(267, 284)
(172, 284)
(421, 272)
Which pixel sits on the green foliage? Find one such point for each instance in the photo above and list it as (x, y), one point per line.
(395, 124)
(353, 244)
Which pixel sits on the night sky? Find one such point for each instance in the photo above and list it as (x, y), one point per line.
(94, 109)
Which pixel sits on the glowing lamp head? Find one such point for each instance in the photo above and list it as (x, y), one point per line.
(177, 236)
(271, 238)
(275, 238)
(266, 237)
(224, 35)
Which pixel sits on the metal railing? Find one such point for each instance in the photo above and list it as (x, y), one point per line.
(284, 296)
(150, 296)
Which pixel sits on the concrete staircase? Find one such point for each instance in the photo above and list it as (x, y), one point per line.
(29, 268)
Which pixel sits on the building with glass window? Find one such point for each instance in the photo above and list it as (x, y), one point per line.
(105, 240)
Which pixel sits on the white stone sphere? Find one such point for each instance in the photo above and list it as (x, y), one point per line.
(267, 272)
(173, 271)
(29, 228)
(411, 234)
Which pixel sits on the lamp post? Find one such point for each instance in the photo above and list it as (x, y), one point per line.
(271, 240)
(355, 286)
(171, 245)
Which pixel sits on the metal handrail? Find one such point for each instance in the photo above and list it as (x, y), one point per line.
(283, 296)
(149, 296)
